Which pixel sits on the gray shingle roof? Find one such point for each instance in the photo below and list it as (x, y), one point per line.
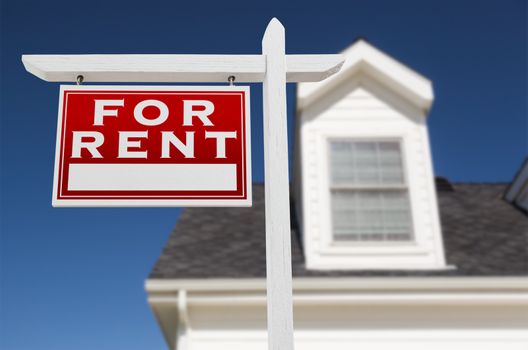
(483, 235)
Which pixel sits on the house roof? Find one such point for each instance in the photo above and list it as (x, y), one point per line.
(484, 235)
(362, 57)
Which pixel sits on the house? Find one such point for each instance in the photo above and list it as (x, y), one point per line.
(385, 256)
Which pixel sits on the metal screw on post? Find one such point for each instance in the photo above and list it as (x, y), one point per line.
(231, 80)
(80, 79)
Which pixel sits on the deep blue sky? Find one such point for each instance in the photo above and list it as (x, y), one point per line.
(73, 278)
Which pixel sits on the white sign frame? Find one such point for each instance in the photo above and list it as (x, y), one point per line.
(154, 202)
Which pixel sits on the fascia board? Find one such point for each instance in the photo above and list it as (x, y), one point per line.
(415, 291)
(155, 286)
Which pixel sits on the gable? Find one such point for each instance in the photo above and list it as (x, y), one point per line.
(364, 59)
(363, 100)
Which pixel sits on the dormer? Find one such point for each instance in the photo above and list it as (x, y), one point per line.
(517, 192)
(363, 178)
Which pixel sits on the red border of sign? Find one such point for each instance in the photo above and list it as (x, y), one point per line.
(98, 200)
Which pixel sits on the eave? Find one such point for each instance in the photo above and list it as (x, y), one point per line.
(170, 299)
(401, 284)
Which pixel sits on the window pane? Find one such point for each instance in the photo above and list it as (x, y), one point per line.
(371, 215)
(362, 163)
(390, 163)
(363, 208)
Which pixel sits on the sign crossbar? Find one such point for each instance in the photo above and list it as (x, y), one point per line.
(176, 68)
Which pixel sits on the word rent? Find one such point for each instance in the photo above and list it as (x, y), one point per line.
(129, 145)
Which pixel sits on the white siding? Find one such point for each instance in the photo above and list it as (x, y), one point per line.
(335, 326)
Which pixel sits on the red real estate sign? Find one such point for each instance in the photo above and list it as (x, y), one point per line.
(153, 146)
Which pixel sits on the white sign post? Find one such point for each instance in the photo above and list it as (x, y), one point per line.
(273, 68)
(278, 235)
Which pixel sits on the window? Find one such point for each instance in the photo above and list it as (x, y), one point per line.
(369, 195)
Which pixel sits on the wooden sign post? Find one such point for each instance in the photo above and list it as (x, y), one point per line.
(273, 68)
(278, 235)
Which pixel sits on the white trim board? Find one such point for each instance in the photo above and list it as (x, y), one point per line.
(350, 283)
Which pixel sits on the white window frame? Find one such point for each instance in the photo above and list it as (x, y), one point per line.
(329, 247)
(404, 187)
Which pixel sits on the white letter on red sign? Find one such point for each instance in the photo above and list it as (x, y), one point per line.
(220, 137)
(78, 144)
(125, 144)
(101, 112)
(162, 117)
(189, 112)
(168, 138)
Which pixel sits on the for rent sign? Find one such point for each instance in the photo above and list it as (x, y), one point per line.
(153, 146)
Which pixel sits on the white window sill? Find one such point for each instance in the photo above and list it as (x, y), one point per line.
(369, 267)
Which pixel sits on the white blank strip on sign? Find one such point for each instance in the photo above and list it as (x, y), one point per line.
(144, 177)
